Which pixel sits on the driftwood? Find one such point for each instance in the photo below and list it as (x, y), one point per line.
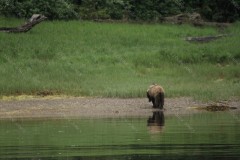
(184, 18)
(205, 38)
(34, 20)
(195, 19)
(211, 24)
(215, 107)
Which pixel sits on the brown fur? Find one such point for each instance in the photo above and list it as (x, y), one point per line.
(155, 93)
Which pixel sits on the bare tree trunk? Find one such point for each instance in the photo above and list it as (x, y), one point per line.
(34, 20)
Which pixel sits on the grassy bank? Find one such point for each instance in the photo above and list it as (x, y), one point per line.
(118, 60)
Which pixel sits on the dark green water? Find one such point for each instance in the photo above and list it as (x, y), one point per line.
(200, 136)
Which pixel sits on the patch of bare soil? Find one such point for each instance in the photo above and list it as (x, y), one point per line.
(76, 107)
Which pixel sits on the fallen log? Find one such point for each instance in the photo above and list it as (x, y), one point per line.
(34, 20)
(184, 18)
(215, 107)
(195, 19)
(205, 38)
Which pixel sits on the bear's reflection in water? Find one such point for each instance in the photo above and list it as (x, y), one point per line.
(156, 122)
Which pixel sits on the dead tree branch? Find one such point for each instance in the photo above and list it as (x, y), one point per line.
(205, 38)
(34, 20)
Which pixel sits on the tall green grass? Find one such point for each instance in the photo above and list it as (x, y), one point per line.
(118, 60)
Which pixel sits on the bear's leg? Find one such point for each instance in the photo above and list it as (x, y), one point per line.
(161, 100)
(154, 102)
(157, 102)
(149, 97)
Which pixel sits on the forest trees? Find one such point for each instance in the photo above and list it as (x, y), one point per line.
(137, 10)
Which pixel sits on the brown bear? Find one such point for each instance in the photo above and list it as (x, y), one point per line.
(155, 93)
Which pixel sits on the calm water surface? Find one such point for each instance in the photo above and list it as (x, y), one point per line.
(199, 136)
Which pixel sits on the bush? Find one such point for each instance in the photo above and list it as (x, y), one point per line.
(25, 8)
(146, 10)
(215, 10)
(116, 10)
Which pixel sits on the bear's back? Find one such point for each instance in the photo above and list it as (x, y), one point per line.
(155, 89)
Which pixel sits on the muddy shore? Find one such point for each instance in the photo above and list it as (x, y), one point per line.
(78, 107)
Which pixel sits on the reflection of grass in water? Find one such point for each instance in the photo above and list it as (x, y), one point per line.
(92, 137)
(118, 60)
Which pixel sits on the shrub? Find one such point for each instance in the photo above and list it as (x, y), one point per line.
(147, 10)
(25, 8)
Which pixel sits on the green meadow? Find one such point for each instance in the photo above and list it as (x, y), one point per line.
(82, 58)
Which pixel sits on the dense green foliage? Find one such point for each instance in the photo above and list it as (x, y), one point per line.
(25, 8)
(147, 10)
(118, 60)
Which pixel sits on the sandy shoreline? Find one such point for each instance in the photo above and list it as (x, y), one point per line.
(78, 107)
